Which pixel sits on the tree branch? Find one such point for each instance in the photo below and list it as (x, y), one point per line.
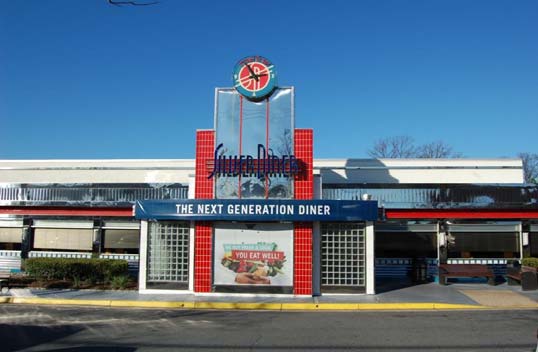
(132, 3)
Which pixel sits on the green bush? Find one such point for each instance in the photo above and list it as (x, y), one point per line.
(533, 262)
(119, 282)
(76, 270)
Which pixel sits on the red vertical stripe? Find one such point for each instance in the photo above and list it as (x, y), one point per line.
(304, 189)
(205, 145)
(461, 214)
(303, 148)
(266, 144)
(302, 248)
(240, 139)
(203, 256)
(67, 211)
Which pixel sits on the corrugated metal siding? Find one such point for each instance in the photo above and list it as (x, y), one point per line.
(109, 195)
(439, 196)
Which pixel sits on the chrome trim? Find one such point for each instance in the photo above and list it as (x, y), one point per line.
(415, 167)
(97, 168)
(88, 194)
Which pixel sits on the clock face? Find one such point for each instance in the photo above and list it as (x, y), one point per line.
(254, 78)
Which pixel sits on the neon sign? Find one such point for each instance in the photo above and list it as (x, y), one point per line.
(265, 164)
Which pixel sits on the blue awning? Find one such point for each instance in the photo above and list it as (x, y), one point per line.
(256, 210)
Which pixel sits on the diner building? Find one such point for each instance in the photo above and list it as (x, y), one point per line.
(458, 210)
(254, 212)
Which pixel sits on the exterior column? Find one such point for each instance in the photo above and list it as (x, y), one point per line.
(302, 237)
(520, 227)
(316, 260)
(97, 244)
(316, 244)
(26, 241)
(192, 228)
(203, 233)
(370, 258)
(142, 271)
(443, 243)
(302, 248)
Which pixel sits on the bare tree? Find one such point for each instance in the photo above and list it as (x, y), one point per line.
(530, 166)
(394, 147)
(404, 147)
(131, 3)
(436, 150)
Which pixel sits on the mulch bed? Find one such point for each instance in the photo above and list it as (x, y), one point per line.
(23, 281)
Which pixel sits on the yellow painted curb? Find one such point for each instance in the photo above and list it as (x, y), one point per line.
(337, 306)
(299, 306)
(237, 305)
(59, 301)
(254, 306)
(5, 299)
(395, 306)
(320, 306)
(152, 304)
(456, 306)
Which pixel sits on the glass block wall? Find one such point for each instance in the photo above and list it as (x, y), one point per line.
(343, 255)
(168, 255)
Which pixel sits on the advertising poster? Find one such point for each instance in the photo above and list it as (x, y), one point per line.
(253, 254)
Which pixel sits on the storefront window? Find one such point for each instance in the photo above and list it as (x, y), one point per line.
(63, 239)
(10, 238)
(483, 245)
(125, 241)
(405, 244)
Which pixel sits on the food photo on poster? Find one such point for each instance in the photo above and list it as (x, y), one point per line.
(253, 254)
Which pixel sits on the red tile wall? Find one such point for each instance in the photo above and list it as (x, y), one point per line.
(304, 182)
(205, 147)
(302, 248)
(203, 256)
(304, 189)
(203, 189)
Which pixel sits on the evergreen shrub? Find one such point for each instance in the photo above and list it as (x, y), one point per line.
(92, 270)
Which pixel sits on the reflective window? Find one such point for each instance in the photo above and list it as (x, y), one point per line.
(405, 244)
(10, 238)
(483, 245)
(242, 127)
(63, 239)
(122, 241)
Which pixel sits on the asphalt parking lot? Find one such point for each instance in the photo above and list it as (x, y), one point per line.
(40, 328)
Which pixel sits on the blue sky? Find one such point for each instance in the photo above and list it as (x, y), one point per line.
(87, 80)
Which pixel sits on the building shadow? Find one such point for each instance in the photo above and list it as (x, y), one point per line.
(356, 172)
(15, 337)
(359, 179)
(383, 285)
(94, 348)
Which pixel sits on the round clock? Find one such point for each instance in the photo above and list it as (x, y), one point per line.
(254, 78)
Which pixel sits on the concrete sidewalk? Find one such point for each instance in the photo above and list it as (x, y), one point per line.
(430, 296)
